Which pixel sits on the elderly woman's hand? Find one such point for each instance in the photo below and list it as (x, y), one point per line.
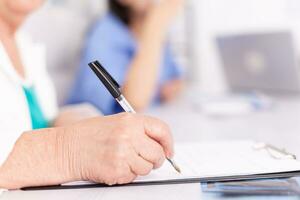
(111, 150)
(116, 149)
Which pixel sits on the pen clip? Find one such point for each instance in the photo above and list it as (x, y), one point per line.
(274, 152)
(97, 63)
(109, 82)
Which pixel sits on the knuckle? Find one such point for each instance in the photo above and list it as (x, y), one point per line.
(122, 148)
(119, 171)
(165, 127)
(111, 181)
(123, 130)
(127, 117)
(119, 155)
(124, 138)
(159, 163)
(146, 170)
(159, 157)
(131, 120)
(120, 141)
(118, 152)
(126, 179)
(109, 178)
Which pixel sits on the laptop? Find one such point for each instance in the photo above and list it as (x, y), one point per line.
(265, 62)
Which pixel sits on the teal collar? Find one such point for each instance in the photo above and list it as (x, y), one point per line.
(38, 119)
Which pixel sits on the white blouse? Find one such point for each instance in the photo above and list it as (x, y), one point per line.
(14, 112)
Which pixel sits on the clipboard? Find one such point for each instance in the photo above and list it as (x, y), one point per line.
(275, 154)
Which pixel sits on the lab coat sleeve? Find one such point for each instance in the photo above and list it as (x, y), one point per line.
(5, 149)
(44, 85)
(3, 155)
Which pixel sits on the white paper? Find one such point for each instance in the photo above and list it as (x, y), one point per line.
(218, 159)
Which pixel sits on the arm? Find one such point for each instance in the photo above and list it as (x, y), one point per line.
(144, 69)
(111, 150)
(35, 160)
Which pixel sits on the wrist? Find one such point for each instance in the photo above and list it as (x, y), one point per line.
(156, 27)
(67, 154)
(160, 18)
(35, 161)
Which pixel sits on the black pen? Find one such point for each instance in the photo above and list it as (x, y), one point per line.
(114, 88)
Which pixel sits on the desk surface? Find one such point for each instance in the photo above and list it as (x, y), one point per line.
(279, 126)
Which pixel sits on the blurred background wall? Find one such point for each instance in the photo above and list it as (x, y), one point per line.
(62, 25)
(236, 16)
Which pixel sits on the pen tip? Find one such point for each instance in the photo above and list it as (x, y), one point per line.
(178, 169)
(175, 165)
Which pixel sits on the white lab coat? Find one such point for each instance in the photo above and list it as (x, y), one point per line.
(14, 112)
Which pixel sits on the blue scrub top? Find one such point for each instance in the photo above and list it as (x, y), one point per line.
(111, 42)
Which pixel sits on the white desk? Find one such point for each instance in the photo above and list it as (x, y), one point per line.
(280, 126)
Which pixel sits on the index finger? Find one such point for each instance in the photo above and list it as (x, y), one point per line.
(161, 133)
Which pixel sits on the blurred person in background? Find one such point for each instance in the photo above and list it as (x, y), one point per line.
(131, 42)
(112, 150)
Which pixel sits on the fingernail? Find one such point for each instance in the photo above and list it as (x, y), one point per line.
(170, 155)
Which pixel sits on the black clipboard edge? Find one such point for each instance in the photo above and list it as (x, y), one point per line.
(172, 182)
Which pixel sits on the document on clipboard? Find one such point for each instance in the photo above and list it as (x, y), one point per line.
(222, 161)
(218, 161)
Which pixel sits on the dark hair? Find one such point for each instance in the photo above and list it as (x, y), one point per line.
(121, 11)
